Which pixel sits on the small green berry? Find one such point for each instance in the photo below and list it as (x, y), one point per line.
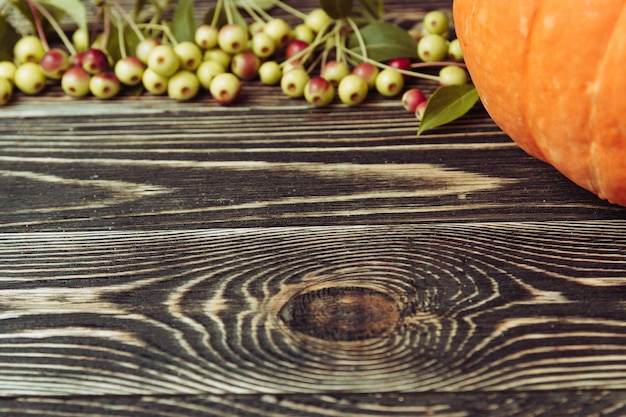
(28, 49)
(303, 33)
(154, 83)
(279, 30)
(263, 45)
(80, 39)
(317, 20)
(183, 85)
(232, 38)
(129, 70)
(225, 88)
(163, 60)
(453, 75)
(293, 82)
(270, 73)
(206, 36)
(75, 81)
(389, 82)
(432, 48)
(104, 85)
(207, 71)
(6, 90)
(454, 51)
(189, 54)
(334, 71)
(7, 70)
(29, 78)
(145, 47)
(436, 22)
(352, 90)
(217, 55)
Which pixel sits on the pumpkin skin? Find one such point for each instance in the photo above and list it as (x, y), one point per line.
(551, 74)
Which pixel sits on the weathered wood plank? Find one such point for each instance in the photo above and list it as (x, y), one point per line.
(147, 162)
(405, 308)
(493, 404)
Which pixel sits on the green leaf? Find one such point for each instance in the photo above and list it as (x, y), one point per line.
(447, 104)
(184, 21)
(75, 9)
(9, 37)
(385, 41)
(337, 9)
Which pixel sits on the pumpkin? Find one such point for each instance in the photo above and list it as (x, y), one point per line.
(552, 75)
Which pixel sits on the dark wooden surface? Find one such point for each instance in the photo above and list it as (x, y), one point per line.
(168, 259)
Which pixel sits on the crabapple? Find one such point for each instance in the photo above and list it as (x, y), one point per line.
(245, 65)
(420, 110)
(436, 22)
(206, 36)
(389, 82)
(144, 47)
(263, 45)
(334, 71)
(75, 81)
(319, 92)
(352, 90)
(183, 85)
(293, 82)
(207, 71)
(400, 63)
(28, 49)
(29, 78)
(153, 82)
(163, 60)
(216, 54)
(6, 90)
(302, 32)
(452, 75)
(104, 85)
(95, 60)
(295, 47)
(432, 48)
(54, 63)
(368, 72)
(454, 50)
(270, 72)
(129, 70)
(412, 98)
(80, 39)
(7, 70)
(232, 38)
(189, 54)
(317, 20)
(279, 30)
(225, 88)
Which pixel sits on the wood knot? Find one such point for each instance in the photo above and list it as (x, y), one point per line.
(342, 313)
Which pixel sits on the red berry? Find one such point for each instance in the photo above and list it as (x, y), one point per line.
(412, 98)
(295, 47)
(95, 61)
(54, 63)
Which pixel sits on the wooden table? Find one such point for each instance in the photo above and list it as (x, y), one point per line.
(267, 258)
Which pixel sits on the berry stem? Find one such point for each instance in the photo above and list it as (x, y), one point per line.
(359, 36)
(229, 11)
(128, 18)
(216, 13)
(164, 29)
(384, 66)
(38, 26)
(437, 64)
(57, 28)
(292, 10)
(106, 31)
(250, 10)
(120, 36)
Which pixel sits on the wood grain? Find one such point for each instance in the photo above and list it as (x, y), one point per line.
(268, 258)
(480, 307)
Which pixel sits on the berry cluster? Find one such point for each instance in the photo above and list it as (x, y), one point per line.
(309, 60)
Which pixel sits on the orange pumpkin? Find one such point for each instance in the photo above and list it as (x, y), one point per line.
(552, 75)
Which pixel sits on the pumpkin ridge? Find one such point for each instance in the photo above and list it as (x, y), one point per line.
(594, 154)
(533, 21)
